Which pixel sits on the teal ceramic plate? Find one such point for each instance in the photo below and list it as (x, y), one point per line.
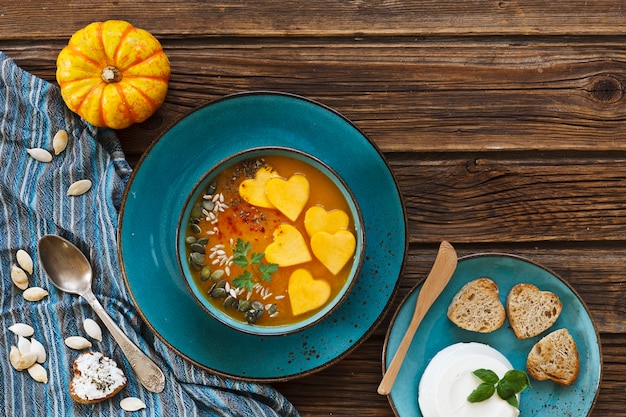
(154, 200)
(545, 399)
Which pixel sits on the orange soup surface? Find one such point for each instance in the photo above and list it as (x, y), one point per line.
(271, 241)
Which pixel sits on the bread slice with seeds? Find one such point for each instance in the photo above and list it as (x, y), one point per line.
(554, 357)
(477, 307)
(531, 311)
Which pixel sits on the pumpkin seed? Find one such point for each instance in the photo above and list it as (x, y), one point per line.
(195, 228)
(229, 301)
(38, 373)
(272, 309)
(253, 315)
(217, 275)
(196, 247)
(92, 328)
(196, 211)
(34, 293)
(197, 258)
(218, 293)
(79, 187)
(21, 361)
(24, 261)
(210, 189)
(40, 154)
(37, 348)
(244, 305)
(208, 205)
(19, 277)
(59, 142)
(23, 344)
(22, 329)
(77, 342)
(205, 273)
(132, 404)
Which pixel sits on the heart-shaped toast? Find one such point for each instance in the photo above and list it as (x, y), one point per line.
(554, 357)
(252, 190)
(531, 311)
(288, 248)
(289, 196)
(96, 378)
(317, 219)
(306, 293)
(333, 250)
(476, 306)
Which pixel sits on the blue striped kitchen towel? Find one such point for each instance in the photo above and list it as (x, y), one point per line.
(33, 202)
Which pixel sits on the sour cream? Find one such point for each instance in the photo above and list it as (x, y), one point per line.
(448, 381)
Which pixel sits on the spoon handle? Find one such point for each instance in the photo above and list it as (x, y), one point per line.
(436, 281)
(149, 374)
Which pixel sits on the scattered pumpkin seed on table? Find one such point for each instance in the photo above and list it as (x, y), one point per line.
(40, 154)
(79, 187)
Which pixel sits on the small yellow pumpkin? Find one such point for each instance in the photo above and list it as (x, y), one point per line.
(113, 74)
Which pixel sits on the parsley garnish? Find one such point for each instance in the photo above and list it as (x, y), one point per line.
(252, 266)
(511, 384)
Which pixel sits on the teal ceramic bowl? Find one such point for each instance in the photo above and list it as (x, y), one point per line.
(186, 266)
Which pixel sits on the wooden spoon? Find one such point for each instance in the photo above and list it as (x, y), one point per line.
(436, 281)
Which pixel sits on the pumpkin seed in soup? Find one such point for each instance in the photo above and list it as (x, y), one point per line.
(235, 235)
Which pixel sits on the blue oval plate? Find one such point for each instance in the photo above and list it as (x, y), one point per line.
(168, 173)
(545, 399)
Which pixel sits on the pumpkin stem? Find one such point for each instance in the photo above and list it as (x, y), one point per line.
(111, 74)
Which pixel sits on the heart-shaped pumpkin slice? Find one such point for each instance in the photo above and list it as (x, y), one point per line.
(317, 219)
(252, 190)
(288, 248)
(333, 250)
(289, 196)
(531, 311)
(306, 293)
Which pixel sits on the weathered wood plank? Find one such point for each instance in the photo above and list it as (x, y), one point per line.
(525, 197)
(407, 96)
(319, 18)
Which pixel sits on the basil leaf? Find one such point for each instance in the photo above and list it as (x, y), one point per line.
(518, 380)
(487, 375)
(505, 390)
(481, 393)
(513, 401)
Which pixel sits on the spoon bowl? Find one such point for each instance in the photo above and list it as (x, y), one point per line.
(66, 266)
(70, 271)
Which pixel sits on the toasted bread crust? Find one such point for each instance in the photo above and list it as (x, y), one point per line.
(554, 357)
(476, 306)
(531, 311)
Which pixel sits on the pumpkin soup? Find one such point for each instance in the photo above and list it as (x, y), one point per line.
(271, 241)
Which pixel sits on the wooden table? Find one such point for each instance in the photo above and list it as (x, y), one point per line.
(503, 122)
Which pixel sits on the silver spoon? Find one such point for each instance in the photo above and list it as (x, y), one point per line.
(70, 271)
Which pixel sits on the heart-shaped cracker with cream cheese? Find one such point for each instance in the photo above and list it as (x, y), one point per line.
(333, 250)
(289, 196)
(252, 190)
(288, 248)
(317, 219)
(306, 293)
